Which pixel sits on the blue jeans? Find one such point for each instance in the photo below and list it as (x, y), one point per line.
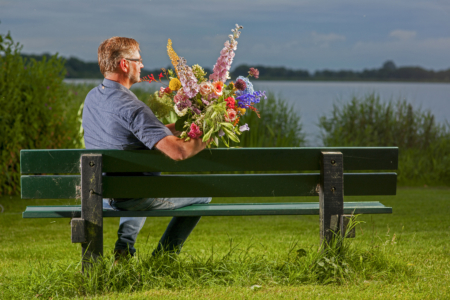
(176, 233)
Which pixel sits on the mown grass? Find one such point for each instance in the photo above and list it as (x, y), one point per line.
(407, 255)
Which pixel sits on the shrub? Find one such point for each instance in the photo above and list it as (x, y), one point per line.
(37, 110)
(424, 145)
(279, 125)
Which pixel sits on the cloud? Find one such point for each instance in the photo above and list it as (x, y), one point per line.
(403, 34)
(324, 40)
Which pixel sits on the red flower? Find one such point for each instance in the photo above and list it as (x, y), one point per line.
(230, 102)
(167, 90)
(161, 75)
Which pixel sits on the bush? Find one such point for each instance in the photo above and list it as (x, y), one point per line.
(424, 145)
(38, 110)
(279, 125)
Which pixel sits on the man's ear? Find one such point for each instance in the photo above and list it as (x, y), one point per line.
(123, 65)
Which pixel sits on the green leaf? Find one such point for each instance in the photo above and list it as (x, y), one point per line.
(231, 135)
(179, 124)
(208, 135)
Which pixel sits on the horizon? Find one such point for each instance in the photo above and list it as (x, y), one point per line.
(258, 65)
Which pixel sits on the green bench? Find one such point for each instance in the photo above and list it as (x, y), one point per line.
(276, 172)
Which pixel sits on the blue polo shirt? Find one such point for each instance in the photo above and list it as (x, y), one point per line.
(114, 118)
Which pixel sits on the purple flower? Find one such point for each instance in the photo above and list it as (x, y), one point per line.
(196, 110)
(244, 128)
(221, 133)
(48, 87)
(246, 100)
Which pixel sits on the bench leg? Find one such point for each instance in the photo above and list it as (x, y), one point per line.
(331, 194)
(91, 208)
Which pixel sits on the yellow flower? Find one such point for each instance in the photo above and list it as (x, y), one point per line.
(175, 84)
(241, 111)
(172, 54)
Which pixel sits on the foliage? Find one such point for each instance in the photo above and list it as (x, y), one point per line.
(279, 125)
(424, 145)
(37, 109)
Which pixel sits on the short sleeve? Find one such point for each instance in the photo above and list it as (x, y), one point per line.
(147, 128)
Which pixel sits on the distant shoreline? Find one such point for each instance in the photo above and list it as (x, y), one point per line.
(388, 72)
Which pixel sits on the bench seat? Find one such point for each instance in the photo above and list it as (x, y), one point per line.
(238, 209)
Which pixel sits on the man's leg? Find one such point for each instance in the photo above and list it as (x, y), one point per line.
(177, 231)
(176, 234)
(129, 228)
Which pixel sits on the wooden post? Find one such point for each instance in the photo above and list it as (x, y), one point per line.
(91, 207)
(331, 194)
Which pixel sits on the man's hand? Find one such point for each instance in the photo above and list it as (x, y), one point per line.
(173, 130)
(178, 149)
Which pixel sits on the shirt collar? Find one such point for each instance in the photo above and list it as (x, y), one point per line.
(114, 85)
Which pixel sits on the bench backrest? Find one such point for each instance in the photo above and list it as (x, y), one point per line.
(216, 160)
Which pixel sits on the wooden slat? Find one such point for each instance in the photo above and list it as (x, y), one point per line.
(249, 209)
(236, 185)
(215, 160)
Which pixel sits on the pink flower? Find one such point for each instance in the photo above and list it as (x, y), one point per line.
(161, 91)
(225, 59)
(230, 115)
(206, 88)
(195, 132)
(180, 98)
(254, 72)
(187, 78)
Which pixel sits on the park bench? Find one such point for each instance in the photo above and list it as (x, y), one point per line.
(250, 172)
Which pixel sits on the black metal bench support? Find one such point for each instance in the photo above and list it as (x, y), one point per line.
(331, 194)
(88, 230)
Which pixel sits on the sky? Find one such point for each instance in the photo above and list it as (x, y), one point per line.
(310, 34)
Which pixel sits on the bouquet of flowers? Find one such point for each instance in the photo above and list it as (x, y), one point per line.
(208, 109)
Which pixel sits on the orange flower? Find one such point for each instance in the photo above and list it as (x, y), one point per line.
(218, 87)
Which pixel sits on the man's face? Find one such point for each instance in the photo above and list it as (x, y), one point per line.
(134, 73)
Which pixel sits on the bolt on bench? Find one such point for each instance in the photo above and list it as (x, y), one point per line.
(331, 184)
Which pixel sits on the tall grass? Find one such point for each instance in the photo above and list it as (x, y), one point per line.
(279, 126)
(424, 145)
(339, 263)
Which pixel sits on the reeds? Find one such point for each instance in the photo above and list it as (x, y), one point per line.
(279, 126)
(424, 145)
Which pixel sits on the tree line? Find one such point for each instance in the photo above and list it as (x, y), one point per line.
(76, 68)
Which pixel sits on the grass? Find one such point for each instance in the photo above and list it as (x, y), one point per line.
(413, 244)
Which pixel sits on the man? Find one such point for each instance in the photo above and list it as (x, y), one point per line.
(114, 118)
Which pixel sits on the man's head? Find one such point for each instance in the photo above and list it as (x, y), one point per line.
(120, 55)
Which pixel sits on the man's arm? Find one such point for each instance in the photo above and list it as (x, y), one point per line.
(178, 149)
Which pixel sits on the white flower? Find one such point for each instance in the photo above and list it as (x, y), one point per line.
(180, 113)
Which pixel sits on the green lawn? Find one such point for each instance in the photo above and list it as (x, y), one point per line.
(417, 235)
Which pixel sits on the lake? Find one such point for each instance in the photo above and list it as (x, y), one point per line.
(312, 99)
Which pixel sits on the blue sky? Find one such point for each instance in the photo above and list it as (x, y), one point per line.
(344, 34)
